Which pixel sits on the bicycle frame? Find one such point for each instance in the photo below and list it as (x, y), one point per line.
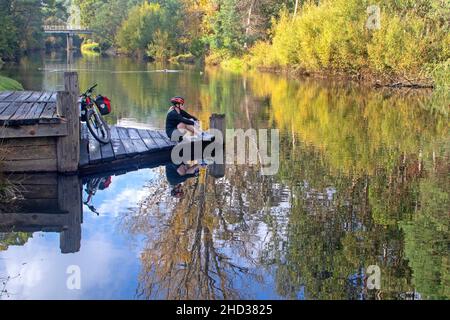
(89, 99)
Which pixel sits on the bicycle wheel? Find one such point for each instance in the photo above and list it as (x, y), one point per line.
(98, 126)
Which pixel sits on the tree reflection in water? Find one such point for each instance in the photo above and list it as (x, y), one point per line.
(202, 246)
(362, 181)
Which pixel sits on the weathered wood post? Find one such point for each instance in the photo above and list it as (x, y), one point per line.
(71, 83)
(217, 122)
(68, 147)
(69, 42)
(70, 200)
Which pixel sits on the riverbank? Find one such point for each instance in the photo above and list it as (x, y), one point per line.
(9, 84)
(393, 45)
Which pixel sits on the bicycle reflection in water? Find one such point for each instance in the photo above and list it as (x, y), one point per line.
(92, 186)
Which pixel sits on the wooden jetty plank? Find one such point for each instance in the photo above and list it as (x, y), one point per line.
(22, 111)
(107, 152)
(133, 133)
(18, 142)
(34, 131)
(23, 96)
(5, 94)
(140, 146)
(9, 111)
(35, 96)
(95, 154)
(36, 111)
(157, 139)
(38, 192)
(45, 96)
(48, 111)
(53, 97)
(41, 179)
(18, 221)
(3, 106)
(118, 148)
(145, 136)
(126, 141)
(35, 165)
(165, 138)
(123, 133)
(32, 152)
(13, 96)
(84, 145)
(29, 155)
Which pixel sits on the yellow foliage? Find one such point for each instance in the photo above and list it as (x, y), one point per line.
(333, 36)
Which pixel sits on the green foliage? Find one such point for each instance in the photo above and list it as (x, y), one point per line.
(105, 18)
(8, 84)
(151, 28)
(13, 239)
(9, 39)
(333, 36)
(427, 239)
(21, 25)
(159, 48)
(228, 32)
(137, 31)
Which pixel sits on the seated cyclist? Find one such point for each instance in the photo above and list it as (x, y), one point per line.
(179, 121)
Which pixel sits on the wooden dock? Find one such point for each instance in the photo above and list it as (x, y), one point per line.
(35, 131)
(129, 149)
(41, 132)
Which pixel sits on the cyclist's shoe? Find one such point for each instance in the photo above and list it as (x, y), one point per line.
(207, 137)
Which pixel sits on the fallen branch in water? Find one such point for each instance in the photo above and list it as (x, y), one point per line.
(404, 85)
(425, 83)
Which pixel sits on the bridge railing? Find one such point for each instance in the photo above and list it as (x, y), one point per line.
(63, 28)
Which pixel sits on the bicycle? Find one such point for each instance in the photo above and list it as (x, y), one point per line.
(94, 185)
(92, 109)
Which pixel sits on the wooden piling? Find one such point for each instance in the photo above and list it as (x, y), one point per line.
(70, 200)
(217, 122)
(68, 147)
(71, 83)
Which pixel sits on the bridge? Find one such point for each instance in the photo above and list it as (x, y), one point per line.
(68, 30)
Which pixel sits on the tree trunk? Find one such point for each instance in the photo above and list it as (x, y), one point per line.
(296, 8)
(249, 20)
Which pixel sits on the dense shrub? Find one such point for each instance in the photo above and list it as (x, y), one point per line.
(8, 84)
(333, 36)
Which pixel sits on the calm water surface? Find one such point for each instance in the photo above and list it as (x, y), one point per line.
(363, 180)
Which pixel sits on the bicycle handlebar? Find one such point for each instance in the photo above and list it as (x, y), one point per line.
(89, 91)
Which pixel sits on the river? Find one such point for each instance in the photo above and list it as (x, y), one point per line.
(363, 182)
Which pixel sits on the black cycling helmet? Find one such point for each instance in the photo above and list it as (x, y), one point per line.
(177, 100)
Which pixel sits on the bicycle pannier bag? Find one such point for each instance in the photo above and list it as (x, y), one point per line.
(103, 104)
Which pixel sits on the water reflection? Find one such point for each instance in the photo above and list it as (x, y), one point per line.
(363, 180)
(44, 203)
(195, 246)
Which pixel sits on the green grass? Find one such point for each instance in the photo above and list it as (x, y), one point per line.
(8, 84)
